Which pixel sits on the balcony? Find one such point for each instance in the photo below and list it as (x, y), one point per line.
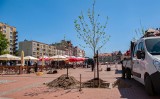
(15, 43)
(16, 32)
(15, 48)
(16, 36)
(15, 40)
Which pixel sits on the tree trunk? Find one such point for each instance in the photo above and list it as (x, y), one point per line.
(94, 63)
(97, 66)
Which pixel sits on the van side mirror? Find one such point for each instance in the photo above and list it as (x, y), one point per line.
(140, 54)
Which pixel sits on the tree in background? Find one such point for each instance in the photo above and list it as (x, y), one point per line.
(3, 44)
(91, 31)
(140, 32)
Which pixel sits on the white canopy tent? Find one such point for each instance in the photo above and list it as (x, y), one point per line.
(9, 57)
(30, 58)
(58, 57)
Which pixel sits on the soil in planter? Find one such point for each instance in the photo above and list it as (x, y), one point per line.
(95, 83)
(64, 82)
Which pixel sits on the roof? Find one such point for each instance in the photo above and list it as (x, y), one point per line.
(105, 54)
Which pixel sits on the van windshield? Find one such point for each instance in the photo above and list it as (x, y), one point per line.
(153, 46)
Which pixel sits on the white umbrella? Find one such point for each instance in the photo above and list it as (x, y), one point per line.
(66, 56)
(22, 58)
(30, 58)
(58, 57)
(8, 57)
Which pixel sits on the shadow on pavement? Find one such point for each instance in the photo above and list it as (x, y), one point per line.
(136, 91)
(118, 71)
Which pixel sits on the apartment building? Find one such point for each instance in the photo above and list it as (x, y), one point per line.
(36, 49)
(78, 52)
(12, 36)
(65, 46)
(69, 49)
(110, 57)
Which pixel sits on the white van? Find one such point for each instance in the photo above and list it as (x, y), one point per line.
(146, 63)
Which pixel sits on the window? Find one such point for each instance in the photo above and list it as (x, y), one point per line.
(153, 46)
(34, 49)
(40, 54)
(11, 37)
(11, 28)
(34, 44)
(140, 46)
(135, 50)
(4, 27)
(34, 53)
(4, 31)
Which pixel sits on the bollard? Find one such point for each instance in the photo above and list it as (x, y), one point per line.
(80, 89)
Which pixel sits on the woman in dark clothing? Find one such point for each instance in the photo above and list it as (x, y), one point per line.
(35, 67)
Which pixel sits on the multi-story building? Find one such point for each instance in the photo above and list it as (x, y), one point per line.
(69, 49)
(78, 52)
(36, 49)
(105, 57)
(110, 57)
(12, 36)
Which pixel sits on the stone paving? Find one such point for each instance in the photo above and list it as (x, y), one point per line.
(31, 86)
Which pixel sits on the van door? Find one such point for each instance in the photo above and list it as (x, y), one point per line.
(138, 64)
(135, 63)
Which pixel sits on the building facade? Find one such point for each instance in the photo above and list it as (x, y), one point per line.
(110, 57)
(69, 49)
(12, 36)
(78, 52)
(36, 49)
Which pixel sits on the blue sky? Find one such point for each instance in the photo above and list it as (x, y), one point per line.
(48, 21)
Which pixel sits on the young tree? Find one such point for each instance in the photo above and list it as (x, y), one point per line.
(3, 44)
(91, 31)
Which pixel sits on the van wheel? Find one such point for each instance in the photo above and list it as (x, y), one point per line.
(128, 73)
(149, 86)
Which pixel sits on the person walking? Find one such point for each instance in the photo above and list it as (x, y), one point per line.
(28, 67)
(92, 65)
(35, 67)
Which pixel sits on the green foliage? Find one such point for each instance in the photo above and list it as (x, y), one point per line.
(91, 31)
(3, 44)
(139, 32)
(5, 52)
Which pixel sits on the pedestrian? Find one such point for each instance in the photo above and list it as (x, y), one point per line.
(29, 66)
(92, 65)
(123, 63)
(35, 67)
(8, 63)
